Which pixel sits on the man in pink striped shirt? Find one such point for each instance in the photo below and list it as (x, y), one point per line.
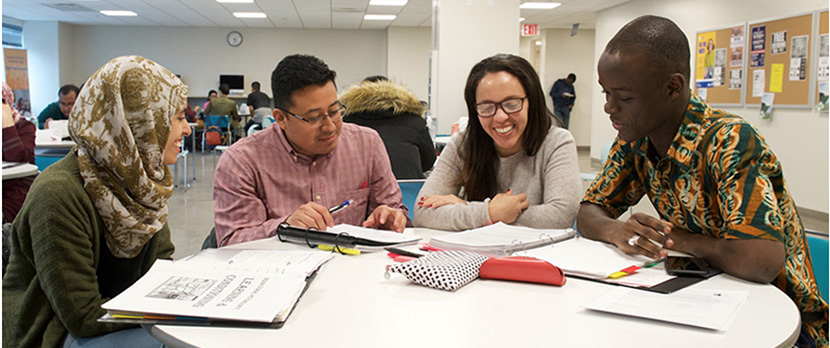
(311, 161)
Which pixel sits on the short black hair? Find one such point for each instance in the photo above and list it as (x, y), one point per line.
(65, 89)
(658, 38)
(224, 88)
(296, 72)
(255, 85)
(212, 91)
(375, 78)
(572, 77)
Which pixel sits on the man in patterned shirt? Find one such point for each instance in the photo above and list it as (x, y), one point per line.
(310, 161)
(717, 186)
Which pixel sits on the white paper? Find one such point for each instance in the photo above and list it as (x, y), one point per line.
(706, 308)
(260, 261)
(588, 258)
(179, 289)
(703, 93)
(373, 234)
(501, 238)
(758, 81)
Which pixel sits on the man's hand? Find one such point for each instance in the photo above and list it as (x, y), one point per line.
(46, 123)
(506, 207)
(640, 232)
(311, 215)
(386, 218)
(435, 201)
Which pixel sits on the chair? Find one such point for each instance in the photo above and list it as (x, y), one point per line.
(409, 190)
(819, 253)
(210, 240)
(266, 121)
(217, 123)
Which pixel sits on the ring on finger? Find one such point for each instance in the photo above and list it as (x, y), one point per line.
(633, 240)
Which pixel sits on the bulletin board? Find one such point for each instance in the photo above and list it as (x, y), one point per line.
(719, 72)
(779, 61)
(823, 55)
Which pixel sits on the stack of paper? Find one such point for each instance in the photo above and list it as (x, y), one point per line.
(501, 239)
(225, 286)
(706, 308)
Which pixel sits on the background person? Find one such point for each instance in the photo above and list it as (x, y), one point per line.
(60, 109)
(293, 173)
(564, 95)
(224, 106)
(259, 104)
(398, 116)
(18, 146)
(512, 164)
(716, 184)
(96, 220)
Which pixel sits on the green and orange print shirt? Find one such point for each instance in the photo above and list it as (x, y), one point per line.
(721, 179)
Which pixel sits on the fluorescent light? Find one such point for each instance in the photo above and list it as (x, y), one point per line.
(387, 2)
(236, 1)
(521, 19)
(249, 15)
(119, 13)
(538, 42)
(539, 5)
(379, 17)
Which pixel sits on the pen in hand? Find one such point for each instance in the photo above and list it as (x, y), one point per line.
(340, 206)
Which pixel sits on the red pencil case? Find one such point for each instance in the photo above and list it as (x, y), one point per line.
(522, 269)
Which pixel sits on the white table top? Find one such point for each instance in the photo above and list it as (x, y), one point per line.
(46, 138)
(350, 304)
(19, 170)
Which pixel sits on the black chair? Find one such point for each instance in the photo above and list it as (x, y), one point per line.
(210, 240)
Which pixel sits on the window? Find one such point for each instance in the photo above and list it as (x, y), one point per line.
(12, 36)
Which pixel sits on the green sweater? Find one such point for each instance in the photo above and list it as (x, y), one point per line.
(51, 285)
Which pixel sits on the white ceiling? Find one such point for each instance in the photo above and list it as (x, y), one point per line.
(304, 14)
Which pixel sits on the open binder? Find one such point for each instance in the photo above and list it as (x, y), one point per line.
(501, 239)
(344, 236)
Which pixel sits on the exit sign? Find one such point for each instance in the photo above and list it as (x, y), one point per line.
(530, 29)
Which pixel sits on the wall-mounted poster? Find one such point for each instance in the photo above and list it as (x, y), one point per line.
(736, 47)
(779, 42)
(798, 58)
(756, 52)
(17, 77)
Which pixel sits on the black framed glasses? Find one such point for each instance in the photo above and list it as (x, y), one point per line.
(335, 114)
(509, 106)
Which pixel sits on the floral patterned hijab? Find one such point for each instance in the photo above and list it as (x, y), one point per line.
(120, 122)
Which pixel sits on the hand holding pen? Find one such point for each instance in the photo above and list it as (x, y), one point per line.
(315, 215)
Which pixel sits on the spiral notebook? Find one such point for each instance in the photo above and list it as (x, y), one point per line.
(501, 239)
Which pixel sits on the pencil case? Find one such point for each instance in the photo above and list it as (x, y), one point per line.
(444, 270)
(522, 269)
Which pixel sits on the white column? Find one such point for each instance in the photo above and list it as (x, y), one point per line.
(465, 32)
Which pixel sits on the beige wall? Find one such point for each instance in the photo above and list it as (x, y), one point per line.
(799, 137)
(566, 54)
(408, 58)
(200, 55)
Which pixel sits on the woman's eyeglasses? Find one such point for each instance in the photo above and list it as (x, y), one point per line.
(509, 106)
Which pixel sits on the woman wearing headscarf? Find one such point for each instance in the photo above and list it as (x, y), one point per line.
(96, 220)
(18, 146)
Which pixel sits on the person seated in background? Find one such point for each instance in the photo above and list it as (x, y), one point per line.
(95, 221)
(211, 96)
(398, 116)
(18, 146)
(512, 164)
(259, 104)
(60, 109)
(293, 173)
(717, 186)
(224, 106)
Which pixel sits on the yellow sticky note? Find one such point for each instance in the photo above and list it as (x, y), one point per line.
(776, 80)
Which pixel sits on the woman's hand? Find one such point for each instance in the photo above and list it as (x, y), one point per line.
(8, 119)
(435, 201)
(506, 207)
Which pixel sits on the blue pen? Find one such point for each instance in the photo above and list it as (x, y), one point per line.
(340, 206)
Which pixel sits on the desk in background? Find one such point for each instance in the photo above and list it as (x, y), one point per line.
(350, 304)
(18, 170)
(49, 148)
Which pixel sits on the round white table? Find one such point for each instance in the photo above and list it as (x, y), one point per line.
(350, 304)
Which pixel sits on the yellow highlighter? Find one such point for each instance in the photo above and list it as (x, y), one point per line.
(341, 250)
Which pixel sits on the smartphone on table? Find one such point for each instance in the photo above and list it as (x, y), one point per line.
(687, 266)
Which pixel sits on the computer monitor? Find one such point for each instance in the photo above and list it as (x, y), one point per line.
(235, 82)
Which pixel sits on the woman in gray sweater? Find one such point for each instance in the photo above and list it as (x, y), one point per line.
(512, 164)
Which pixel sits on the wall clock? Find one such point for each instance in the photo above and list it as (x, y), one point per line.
(234, 38)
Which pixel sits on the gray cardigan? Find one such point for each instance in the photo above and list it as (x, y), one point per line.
(550, 179)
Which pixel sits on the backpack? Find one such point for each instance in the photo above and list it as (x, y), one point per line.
(212, 136)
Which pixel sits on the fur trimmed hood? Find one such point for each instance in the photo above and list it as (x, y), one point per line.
(382, 97)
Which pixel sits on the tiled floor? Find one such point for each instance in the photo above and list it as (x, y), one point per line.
(191, 210)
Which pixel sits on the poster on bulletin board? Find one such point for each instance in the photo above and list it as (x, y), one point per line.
(780, 54)
(822, 102)
(719, 65)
